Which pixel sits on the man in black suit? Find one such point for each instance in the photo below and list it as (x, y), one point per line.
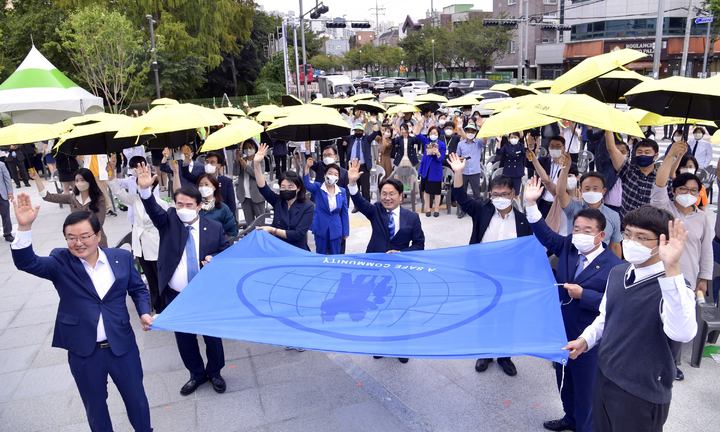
(360, 149)
(329, 157)
(214, 162)
(187, 242)
(494, 219)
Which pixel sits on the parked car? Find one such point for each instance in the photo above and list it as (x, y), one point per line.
(414, 88)
(487, 97)
(466, 85)
(441, 87)
(397, 84)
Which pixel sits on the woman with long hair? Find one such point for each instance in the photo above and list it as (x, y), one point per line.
(86, 195)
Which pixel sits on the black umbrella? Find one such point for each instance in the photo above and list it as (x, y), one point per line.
(290, 100)
(611, 87)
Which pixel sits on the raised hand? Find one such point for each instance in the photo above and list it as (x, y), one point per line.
(309, 163)
(457, 164)
(565, 160)
(25, 213)
(145, 179)
(678, 149)
(354, 172)
(533, 191)
(672, 247)
(261, 153)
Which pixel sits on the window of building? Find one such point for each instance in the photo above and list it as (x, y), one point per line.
(513, 47)
(550, 2)
(644, 27)
(511, 2)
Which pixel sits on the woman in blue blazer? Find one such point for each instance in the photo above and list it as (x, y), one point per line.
(331, 222)
(431, 170)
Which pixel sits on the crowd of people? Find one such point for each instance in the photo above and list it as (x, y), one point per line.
(627, 235)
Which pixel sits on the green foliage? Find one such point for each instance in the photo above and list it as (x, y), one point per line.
(325, 62)
(272, 72)
(107, 52)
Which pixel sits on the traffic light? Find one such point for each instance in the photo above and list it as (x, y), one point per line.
(319, 10)
(360, 25)
(527, 63)
(500, 22)
(335, 25)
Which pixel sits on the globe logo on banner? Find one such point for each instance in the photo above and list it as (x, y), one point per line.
(368, 300)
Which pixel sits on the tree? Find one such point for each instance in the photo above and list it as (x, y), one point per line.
(273, 71)
(483, 45)
(107, 52)
(325, 62)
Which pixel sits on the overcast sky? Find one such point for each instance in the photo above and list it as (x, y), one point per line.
(395, 10)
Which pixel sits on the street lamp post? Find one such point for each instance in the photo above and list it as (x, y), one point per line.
(153, 51)
(433, 60)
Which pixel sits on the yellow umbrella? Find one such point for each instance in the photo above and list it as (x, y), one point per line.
(582, 109)
(430, 97)
(264, 117)
(232, 112)
(164, 101)
(271, 109)
(541, 85)
(237, 131)
(85, 119)
(646, 118)
(308, 125)
(173, 118)
(317, 101)
(369, 106)
(715, 138)
(507, 103)
(362, 96)
(401, 108)
(688, 98)
(463, 101)
(395, 100)
(513, 120)
(502, 87)
(97, 137)
(593, 67)
(337, 103)
(25, 133)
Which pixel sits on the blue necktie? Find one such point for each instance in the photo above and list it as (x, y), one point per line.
(358, 150)
(580, 265)
(192, 259)
(391, 223)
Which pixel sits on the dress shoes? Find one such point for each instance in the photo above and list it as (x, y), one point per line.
(9, 238)
(218, 384)
(507, 366)
(679, 375)
(192, 385)
(559, 425)
(403, 360)
(481, 365)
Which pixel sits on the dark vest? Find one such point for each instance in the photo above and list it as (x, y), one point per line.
(635, 353)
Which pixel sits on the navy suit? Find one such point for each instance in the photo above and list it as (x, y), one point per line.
(328, 227)
(577, 315)
(409, 236)
(227, 191)
(198, 169)
(365, 143)
(173, 237)
(76, 330)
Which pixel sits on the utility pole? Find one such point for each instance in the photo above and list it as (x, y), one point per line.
(297, 66)
(658, 38)
(304, 54)
(153, 52)
(377, 10)
(686, 41)
(285, 58)
(526, 71)
(707, 49)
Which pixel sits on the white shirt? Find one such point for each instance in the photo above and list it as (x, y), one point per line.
(101, 275)
(703, 152)
(554, 173)
(500, 228)
(677, 308)
(332, 201)
(572, 139)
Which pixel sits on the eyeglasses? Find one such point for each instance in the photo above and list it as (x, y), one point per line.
(81, 239)
(501, 194)
(684, 190)
(388, 194)
(640, 237)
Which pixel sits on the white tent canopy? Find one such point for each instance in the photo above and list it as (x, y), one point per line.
(37, 92)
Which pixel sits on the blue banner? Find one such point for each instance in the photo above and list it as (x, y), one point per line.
(487, 300)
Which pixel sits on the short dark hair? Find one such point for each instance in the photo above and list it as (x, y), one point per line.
(136, 160)
(649, 218)
(218, 155)
(699, 129)
(646, 143)
(397, 184)
(683, 178)
(82, 215)
(332, 166)
(557, 138)
(594, 214)
(216, 185)
(331, 147)
(188, 190)
(687, 157)
(622, 144)
(592, 174)
(295, 179)
(501, 182)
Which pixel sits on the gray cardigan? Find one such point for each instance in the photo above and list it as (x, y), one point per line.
(240, 191)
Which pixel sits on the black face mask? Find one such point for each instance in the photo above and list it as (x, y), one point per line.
(287, 195)
(358, 134)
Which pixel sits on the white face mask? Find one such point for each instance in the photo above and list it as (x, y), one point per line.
(470, 136)
(186, 215)
(592, 197)
(331, 179)
(433, 137)
(688, 170)
(514, 141)
(210, 168)
(441, 123)
(501, 203)
(572, 183)
(685, 200)
(584, 243)
(677, 138)
(82, 186)
(698, 136)
(250, 152)
(206, 191)
(448, 132)
(555, 153)
(635, 253)
(328, 160)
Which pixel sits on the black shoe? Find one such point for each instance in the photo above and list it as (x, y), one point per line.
(192, 385)
(403, 360)
(122, 207)
(460, 214)
(17, 185)
(507, 366)
(679, 375)
(559, 425)
(111, 213)
(218, 384)
(377, 357)
(481, 365)
(9, 238)
(427, 214)
(436, 214)
(27, 184)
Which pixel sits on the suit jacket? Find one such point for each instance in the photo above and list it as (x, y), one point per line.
(198, 169)
(408, 237)
(227, 191)
(80, 306)
(366, 147)
(295, 220)
(173, 237)
(398, 150)
(5, 182)
(319, 168)
(577, 314)
(482, 211)
(240, 192)
(333, 224)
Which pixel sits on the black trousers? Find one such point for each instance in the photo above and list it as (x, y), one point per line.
(364, 182)
(615, 410)
(190, 349)
(91, 374)
(17, 170)
(5, 216)
(280, 165)
(544, 207)
(150, 270)
(342, 154)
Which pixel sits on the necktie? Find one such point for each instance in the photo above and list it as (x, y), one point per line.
(580, 265)
(192, 259)
(630, 278)
(391, 223)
